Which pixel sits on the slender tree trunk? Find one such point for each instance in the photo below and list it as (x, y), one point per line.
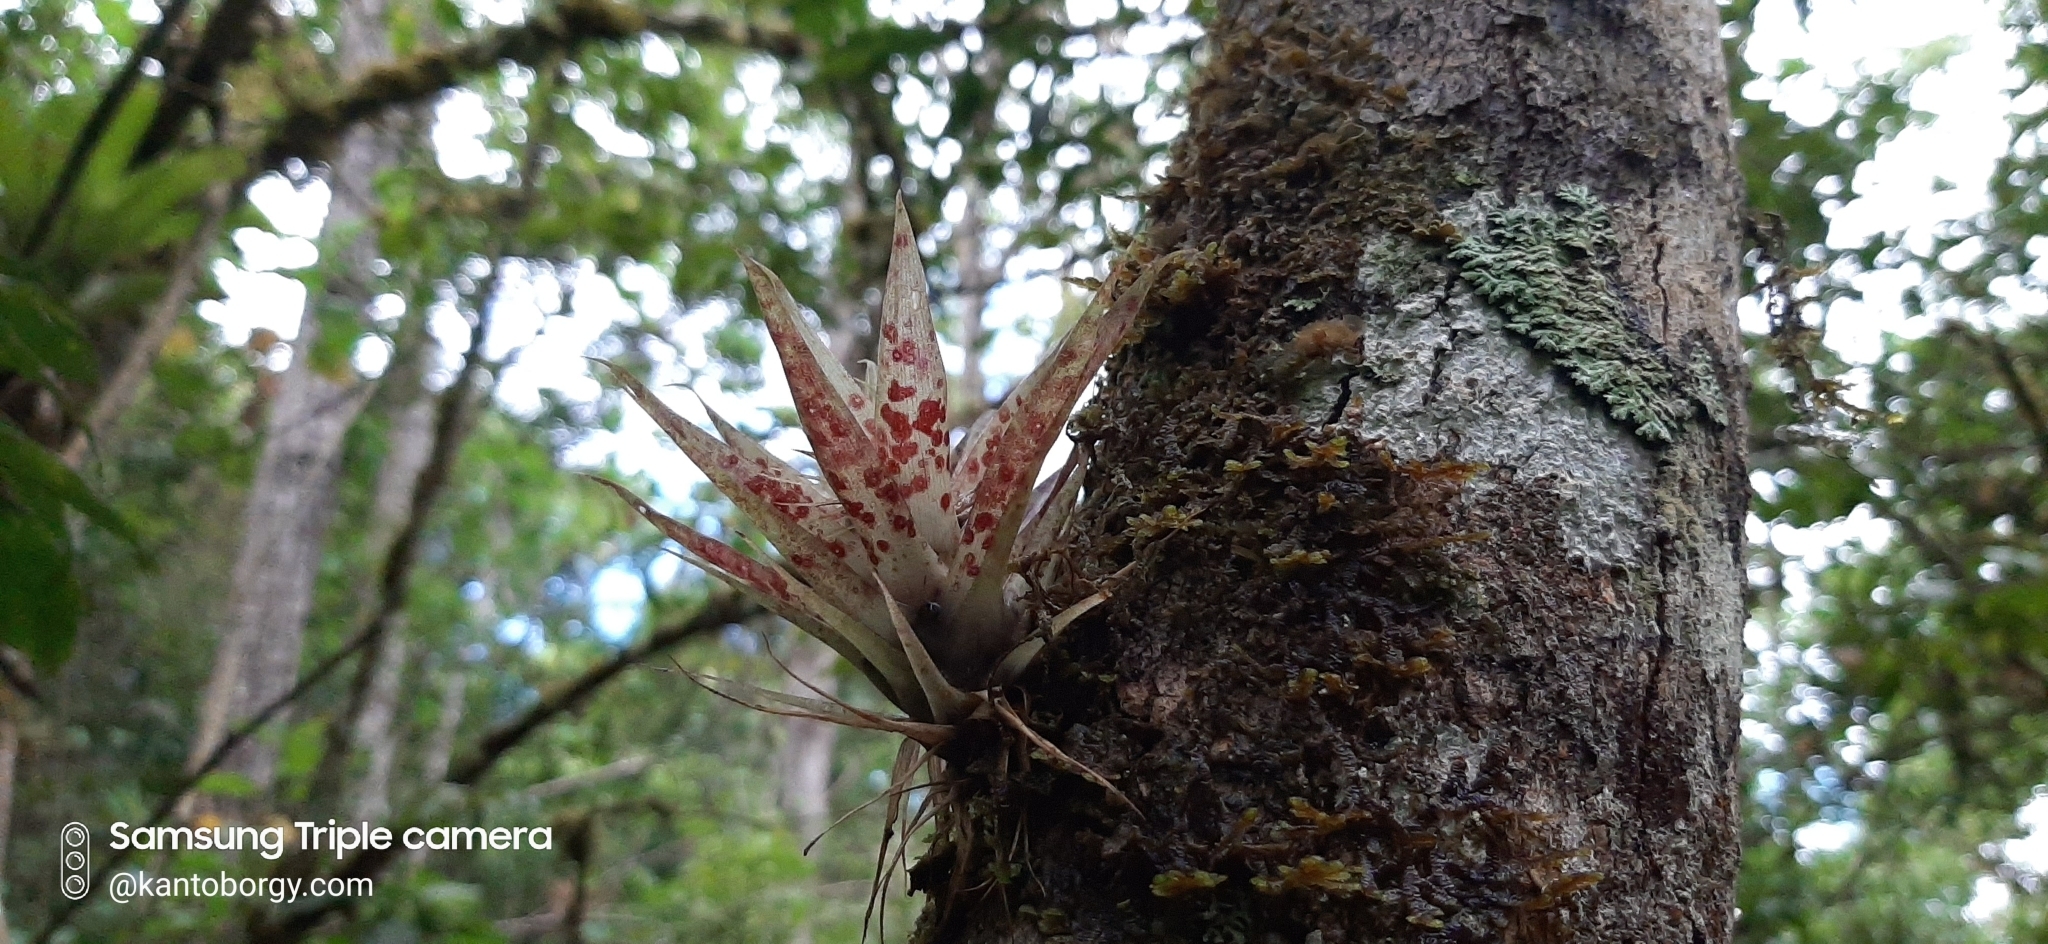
(440, 749)
(1430, 472)
(411, 444)
(10, 755)
(292, 498)
(803, 764)
(977, 280)
(377, 729)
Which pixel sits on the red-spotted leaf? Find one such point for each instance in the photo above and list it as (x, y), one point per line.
(780, 507)
(860, 474)
(786, 597)
(910, 393)
(1005, 463)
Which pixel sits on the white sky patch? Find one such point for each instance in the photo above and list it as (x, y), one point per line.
(658, 57)
(1925, 175)
(461, 121)
(498, 12)
(1989, 898)
(253, 300)
(617, 598)
(596, 120)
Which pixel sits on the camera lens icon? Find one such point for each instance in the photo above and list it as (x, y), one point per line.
(74, 876)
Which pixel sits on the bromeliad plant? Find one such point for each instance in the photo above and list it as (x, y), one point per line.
(904, 558)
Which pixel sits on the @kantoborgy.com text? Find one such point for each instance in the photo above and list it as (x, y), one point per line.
(127, 886)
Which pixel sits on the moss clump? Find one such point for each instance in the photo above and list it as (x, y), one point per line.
(1547, 270)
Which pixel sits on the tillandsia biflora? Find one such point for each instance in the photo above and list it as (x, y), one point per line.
(904, 556)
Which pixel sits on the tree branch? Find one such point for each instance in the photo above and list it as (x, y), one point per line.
(721, 609)
(2022, 390)
(309, 128)
(229, 40)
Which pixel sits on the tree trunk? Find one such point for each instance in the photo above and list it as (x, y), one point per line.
(293, 496)
(803, 763)
(377, 729)
(10, 754)
(1430, 473)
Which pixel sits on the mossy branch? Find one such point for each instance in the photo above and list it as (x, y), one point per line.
(310, 127)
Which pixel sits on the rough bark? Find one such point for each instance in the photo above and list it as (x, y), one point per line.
(292, 498)
(1430, 472)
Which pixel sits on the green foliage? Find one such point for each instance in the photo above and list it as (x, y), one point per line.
(39, 596)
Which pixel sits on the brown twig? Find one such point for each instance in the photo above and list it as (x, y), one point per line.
(721, 609)
(2023, 391)
(310, 127)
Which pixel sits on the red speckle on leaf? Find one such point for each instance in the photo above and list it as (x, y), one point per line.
(930, 414)
(899, 392)
(902, 525)
(905, 353)
(872, 478)
(919, 484)
(838, 483)
(838, 549)
(889, 333)
(946, 502)
(973, 566)
(882, 546)
(984, 521)
(899, 424)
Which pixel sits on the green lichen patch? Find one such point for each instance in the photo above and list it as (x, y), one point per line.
(1548, 269)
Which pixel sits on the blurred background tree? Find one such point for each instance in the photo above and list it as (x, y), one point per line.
(293, 304)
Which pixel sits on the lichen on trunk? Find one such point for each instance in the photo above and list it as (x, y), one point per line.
(1427, 478)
